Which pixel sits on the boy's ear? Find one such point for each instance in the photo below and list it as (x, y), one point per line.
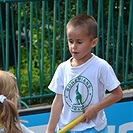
(94, 42)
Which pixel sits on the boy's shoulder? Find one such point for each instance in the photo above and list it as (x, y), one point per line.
(65, 63)
(100, 60)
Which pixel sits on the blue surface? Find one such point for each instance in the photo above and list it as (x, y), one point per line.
(36, 119)
(119, 115)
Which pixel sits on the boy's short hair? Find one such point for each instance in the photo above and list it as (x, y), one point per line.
(85, 21)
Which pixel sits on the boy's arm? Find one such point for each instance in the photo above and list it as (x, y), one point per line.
(114, 97)
(55, 113)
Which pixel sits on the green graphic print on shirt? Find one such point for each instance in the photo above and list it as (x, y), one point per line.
(78, 94)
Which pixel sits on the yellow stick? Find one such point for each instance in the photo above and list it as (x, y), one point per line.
(71, 124)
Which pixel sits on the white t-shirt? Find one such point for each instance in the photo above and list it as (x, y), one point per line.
(81, 87)
(24, 129)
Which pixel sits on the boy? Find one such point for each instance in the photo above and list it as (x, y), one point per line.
(81, 81)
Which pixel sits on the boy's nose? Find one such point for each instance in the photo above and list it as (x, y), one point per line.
(74, 46)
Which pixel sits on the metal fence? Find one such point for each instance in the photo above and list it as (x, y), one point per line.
(33, 40)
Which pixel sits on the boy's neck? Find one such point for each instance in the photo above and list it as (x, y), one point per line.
(74, 62)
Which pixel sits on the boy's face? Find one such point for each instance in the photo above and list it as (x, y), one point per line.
(80, 44)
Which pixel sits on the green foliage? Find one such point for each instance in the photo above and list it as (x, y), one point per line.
(40, 47)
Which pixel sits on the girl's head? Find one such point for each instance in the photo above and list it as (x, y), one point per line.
(8, 86)
(8, 108)
(86, 23)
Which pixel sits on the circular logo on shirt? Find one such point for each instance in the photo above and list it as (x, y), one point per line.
(78, 93)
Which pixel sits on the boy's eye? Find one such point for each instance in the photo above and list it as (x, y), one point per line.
(70, 41)
(79, 42)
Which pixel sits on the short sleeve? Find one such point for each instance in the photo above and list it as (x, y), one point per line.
(108, 78)
(56, 84)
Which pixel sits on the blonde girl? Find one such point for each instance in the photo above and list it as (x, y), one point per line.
(9, 117)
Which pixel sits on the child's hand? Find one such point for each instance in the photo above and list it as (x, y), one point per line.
(89, 113)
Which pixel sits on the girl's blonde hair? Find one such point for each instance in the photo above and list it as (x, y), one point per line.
(9, 117)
